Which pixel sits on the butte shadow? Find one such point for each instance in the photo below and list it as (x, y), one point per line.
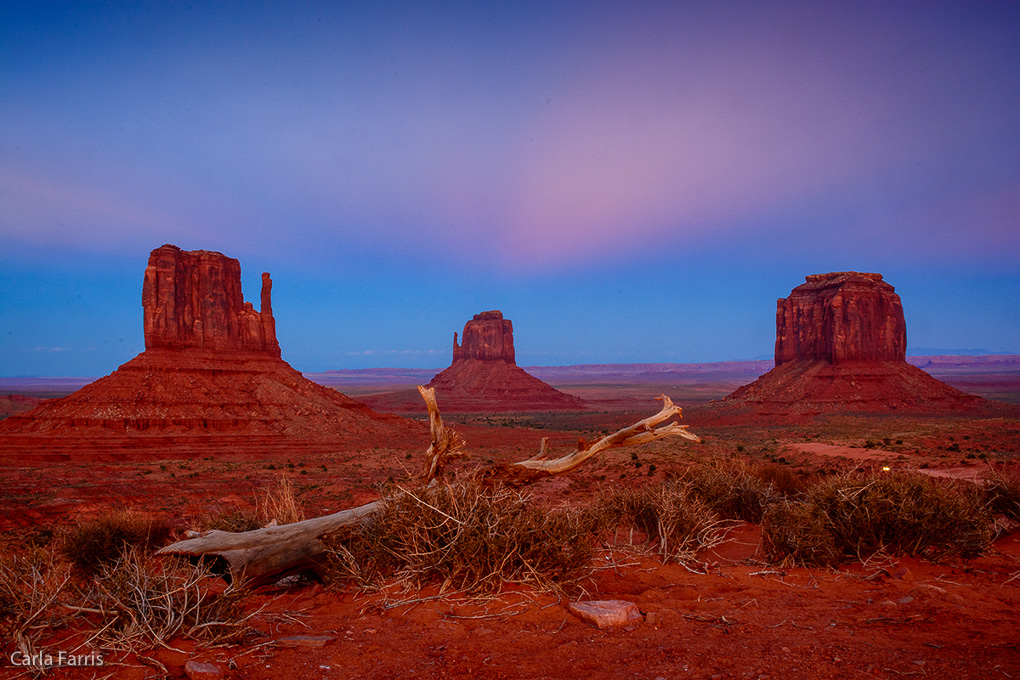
(841, 348)
(210, 381)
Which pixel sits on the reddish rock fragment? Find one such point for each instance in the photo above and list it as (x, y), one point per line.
(605, 613)
(200, 670)
(308, 641)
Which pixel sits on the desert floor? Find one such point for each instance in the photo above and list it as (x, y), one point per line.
(731, 615)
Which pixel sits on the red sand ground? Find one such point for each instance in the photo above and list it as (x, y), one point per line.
(741, 618)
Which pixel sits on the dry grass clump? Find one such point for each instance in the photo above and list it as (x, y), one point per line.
(866, 514)
(465, 536)
(279, 505)
(734, 489)
(141, 601)
(133, 602)
(671, 514)
(273, 506)
(235, 520)
(30, 584)
(91, 544)
(1002, 491)
(781, 478)
(794, 532)
(98, 572)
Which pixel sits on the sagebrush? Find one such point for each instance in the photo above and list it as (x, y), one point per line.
(467, 536)
(870, 513)
(93, 543)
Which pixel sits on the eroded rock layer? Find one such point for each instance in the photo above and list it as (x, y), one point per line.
(192, 299)
(819, 387)
(843, 316)
(484, 374)
(164, 391)
(840, 347)
(211, 369)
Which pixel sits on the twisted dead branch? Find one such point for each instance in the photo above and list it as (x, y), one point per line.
(263, 556)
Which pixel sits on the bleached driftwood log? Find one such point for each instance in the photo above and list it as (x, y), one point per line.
(263, 556)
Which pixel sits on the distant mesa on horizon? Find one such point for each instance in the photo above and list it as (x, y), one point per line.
(484, 375)
(211, 366)
(950, 352)
(841, 344)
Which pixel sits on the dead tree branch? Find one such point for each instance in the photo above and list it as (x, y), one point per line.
(263, 556)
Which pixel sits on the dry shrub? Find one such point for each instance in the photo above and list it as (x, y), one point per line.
(91, 544)
(1002, 493)
(235, 520)
(904, 514)
(279, 505)
(670, 513)
(273, 506)
(866, 514)
(143, 601)
(30, 584)
(733, 489)
(781, 478)
(465, 536)
(135, 601)
(794, 532)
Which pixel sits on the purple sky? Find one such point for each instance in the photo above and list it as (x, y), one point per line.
(626, 185)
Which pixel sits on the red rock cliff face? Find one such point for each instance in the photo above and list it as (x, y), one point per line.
(840, 347)
(488, 337)
(192, 299)
(842, 316)
(211, 380)
(484, 375)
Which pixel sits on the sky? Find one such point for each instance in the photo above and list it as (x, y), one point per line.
(627, 182)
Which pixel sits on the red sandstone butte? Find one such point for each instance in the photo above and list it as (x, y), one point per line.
(211, 366)
(484, 375)
(844, 316)
(840, 347)
(488, 337)
(192, 299)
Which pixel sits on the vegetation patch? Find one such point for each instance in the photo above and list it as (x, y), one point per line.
(92, 544)
(133, 602)
(866, 514)
(1002, 491)
(670, 514)
(141, 601)
(734, 489)
(465, 536)
(795, 532)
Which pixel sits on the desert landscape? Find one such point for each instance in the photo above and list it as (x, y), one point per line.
(733, 391)
(689, 550)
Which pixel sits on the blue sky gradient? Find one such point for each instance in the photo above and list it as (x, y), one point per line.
(627, 185)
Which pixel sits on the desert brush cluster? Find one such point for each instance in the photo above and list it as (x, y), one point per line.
(98, 584)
